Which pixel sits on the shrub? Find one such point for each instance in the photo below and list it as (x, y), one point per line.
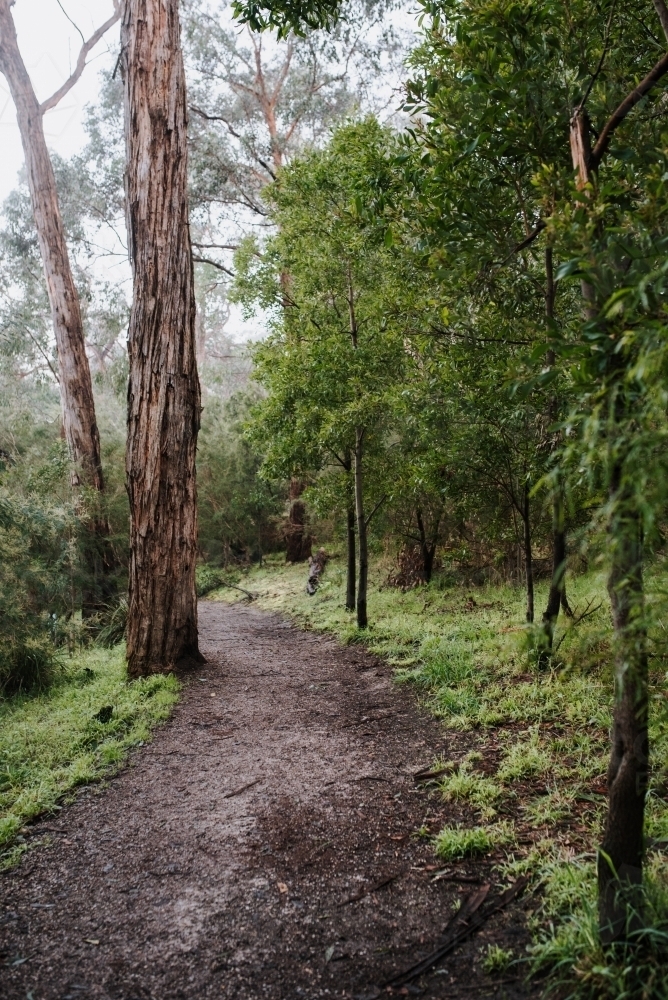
(35, 556)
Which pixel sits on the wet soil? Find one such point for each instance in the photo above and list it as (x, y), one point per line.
(262, 846)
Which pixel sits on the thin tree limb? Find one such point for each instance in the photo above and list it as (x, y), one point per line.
(620, 113)
(213, 263)
(52, 101)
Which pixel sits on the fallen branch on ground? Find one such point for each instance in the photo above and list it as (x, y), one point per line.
(463, 924)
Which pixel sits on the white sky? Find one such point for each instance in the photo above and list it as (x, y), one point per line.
(50, 46)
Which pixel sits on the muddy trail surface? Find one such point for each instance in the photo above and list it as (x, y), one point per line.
(262, 846)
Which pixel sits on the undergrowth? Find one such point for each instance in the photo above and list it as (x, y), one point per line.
(53, 741)
(540, 742)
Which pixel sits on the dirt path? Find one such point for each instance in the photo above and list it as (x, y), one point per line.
(223, 861)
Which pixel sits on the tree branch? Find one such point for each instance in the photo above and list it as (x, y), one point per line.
(51, 102)
(213, 263)
(380, 503)
(620, 113)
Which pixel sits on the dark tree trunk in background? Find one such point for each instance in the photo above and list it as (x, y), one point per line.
(163, 389)
(297, 541)
(427, 548)
(557, 593)
(621, 853)
(362, 620)
(528, 555)
(76, 389)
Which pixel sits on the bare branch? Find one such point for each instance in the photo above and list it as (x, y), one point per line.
(52, 101)
(213, 263)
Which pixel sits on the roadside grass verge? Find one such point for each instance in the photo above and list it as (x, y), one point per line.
(531, 779)
(54, 741)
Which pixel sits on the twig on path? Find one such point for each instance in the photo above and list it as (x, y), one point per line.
(372, 888)
(464, 923)
(238, 791)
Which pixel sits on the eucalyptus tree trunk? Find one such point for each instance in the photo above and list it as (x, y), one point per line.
(163, 391)
(362, 620)
(74, 380)
(621, 855)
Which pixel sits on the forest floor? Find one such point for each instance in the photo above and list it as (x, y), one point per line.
(270, 842)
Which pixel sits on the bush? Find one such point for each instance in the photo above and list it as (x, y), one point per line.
(35, 556)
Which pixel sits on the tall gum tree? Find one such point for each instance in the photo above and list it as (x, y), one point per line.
(163, 390)
(74, 380)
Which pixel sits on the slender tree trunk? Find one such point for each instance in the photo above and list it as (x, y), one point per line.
(528, 555)
(76, 389)
(362, 620)
(620, 856)
(558, 580)
(163, 390)
(621, 853)
(350, 570)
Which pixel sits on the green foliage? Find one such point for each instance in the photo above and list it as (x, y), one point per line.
(51, 742)
(35, 564)
(238, 511)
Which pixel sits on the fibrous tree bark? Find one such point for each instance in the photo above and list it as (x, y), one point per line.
(74, 380)
(163, 390)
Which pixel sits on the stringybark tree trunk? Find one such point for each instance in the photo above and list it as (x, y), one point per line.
(74, 380)
(163, 391)
(362, 620)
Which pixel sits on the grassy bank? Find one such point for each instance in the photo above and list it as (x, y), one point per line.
(533, 776)
(65, 736)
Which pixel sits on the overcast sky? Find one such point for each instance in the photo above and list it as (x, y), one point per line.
(50, 45)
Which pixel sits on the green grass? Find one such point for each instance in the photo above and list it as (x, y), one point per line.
(464, 842)
(51, 742)
(540, 742)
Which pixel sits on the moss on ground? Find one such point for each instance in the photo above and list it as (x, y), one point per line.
(53, 741)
